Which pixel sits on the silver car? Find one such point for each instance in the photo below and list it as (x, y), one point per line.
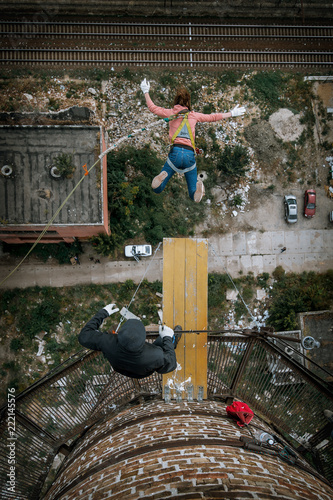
(138, 251)
(290, 208)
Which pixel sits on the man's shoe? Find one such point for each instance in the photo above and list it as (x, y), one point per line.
(157, 181)
(200, 191)
(177, 336)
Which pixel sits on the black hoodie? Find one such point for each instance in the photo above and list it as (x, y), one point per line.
(128, 351)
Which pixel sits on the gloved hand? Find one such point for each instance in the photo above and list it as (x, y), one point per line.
(238, 111)
(111, 309)
(165, 331)
(145, 86)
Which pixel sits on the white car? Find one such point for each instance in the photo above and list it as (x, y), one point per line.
(290, 208)
(137, 251)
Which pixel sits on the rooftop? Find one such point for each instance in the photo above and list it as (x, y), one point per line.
(30, 195)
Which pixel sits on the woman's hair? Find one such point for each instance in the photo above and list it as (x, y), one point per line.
(183, 98)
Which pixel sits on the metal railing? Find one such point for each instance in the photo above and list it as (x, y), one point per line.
(55, 411)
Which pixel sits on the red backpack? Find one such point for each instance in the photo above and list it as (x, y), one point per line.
(240, 412)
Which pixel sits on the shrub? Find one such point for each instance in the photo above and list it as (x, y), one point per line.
(42, 316)
(237, 200)
(297, 293)
(208, 108)
(233, 161)
(279, 273)
(268, 88)
(60, 251)
(64, 165)
(262, 279)
(16, 344)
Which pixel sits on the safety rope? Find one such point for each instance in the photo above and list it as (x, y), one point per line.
(232, 281)
(116, 144)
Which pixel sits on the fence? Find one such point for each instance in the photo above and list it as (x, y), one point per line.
(54, 412)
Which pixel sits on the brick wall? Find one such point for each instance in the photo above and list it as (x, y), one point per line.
(158, 450)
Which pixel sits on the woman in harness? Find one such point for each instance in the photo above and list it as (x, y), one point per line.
(182, 121)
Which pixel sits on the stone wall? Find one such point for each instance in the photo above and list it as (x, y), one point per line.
(176, 451)
(218, 9)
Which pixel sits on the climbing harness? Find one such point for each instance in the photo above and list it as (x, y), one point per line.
(184, 130)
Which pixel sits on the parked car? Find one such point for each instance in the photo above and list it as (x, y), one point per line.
(138, 251)
(310, 203)
(331, 216)
(290, 208)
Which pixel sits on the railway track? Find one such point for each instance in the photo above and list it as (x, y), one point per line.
(45, 43)
(189, 58)
(163, 30)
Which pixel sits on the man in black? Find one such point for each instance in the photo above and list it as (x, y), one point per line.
(128, 351)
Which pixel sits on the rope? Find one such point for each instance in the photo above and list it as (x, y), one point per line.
(135, 132)
(137, 289)
(232, 281)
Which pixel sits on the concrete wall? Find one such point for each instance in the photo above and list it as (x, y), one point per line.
(219, 9)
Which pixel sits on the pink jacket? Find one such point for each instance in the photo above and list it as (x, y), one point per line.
(193, 118)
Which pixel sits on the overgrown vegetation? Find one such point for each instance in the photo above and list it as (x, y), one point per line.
(233, 161)
(294, 293)
(273, 90)
(135, 210)
(65, 165)
(60, 251)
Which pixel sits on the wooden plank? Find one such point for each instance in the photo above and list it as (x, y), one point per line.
(202, 313)
(168, 266)
(179, 306)
(191, 311)
(173, 300)
(185, 303)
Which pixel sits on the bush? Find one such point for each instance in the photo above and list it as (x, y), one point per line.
(268, 87)
(237, 200)
(60, 251)
(279, 273)
(64, 165)
(208, 108)
(262, 279)
(43, 316)
(16, 344)
(297, 293)
(233, 161)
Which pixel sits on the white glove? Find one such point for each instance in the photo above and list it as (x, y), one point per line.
(111, 309)
(165, 331)
(145, 86)
(238, 111)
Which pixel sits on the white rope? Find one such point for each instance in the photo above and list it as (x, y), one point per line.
(135, 132)
(137, 289)
(232, 281)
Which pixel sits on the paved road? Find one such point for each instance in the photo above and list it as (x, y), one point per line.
(258, 252)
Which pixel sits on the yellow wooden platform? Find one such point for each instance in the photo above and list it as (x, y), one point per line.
(185, 275)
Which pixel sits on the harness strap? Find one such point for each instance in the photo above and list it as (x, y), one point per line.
(178, 170)
(184, 122)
